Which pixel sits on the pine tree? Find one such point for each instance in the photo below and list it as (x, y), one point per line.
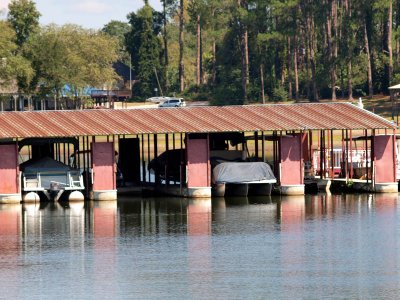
(145, 49)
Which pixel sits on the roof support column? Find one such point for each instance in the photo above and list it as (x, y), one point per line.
(384, 147)
(291, 167)
(198, 167)
(104, 170)
(10, 187)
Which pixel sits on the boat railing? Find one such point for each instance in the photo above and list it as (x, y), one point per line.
(53, 180)
(75, 180)
(32, 182)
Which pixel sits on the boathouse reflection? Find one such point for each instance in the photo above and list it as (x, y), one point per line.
(23, 226)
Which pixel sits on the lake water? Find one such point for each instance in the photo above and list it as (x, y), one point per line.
(241, 248)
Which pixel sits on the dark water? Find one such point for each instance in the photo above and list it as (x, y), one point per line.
(311, 247)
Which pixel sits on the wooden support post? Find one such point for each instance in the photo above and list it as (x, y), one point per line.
(148, 153)
(332, 157)
(347, 155)
(395, 148)
(366, 154)
(256, 145)
(263, 146)
(167, 153)
(342, 166)
(310, 150)
(155, 153)
(77, 155)
(351, 154)
(321, 155)
(143, 158)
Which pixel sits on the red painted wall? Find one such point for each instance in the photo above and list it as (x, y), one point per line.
(9, 173)
(198, 161)
(291, 160)
(384, 164)
(104, 168)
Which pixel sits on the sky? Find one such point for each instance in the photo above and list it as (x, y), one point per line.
(87, 13)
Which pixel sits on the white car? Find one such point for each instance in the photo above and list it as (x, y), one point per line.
(173, 102)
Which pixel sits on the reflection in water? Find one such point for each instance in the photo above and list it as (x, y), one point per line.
(10, 231)
(257, 247)
(199, 247)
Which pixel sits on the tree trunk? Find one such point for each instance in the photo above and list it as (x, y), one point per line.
(243, 39)
(350, 36)
(165, 47)
(296, 73)
(246, 53)
(331, 25)
(397, 51)
(312, 47)
(198, 60)
(369, 65)
(262, 82)
(181, 65)
(350, 79)
(289, 66)
(389, 42)
(214, 63)
(334, 48)
(245, 62)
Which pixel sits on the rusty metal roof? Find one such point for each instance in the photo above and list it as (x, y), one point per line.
(189, 119)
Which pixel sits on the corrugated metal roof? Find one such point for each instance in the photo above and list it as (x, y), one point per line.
(189, 119)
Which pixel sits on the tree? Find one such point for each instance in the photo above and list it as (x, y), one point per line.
(181, 45)
(24, 18)
(12, 64)
(73, 56)
(197, 12)
(168, 7)
(118, 30)
(145, 48)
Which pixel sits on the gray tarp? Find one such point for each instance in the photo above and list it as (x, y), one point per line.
(241, 172)
(44, 164)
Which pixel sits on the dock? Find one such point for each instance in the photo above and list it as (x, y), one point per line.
(174, 150)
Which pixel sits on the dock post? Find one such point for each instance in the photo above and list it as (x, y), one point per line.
(291, 167)
(384, 161)
(103, 171)
(198, 164)
(10, 183)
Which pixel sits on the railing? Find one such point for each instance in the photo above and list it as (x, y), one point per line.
(54, 180)
(357, 159)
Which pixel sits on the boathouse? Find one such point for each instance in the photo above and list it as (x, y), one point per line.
(174, 150)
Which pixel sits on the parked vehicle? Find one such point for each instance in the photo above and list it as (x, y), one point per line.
(173, 102)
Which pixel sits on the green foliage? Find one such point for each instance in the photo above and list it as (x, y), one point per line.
(280, 94)
(257, 34)
(229, 93)
(198, 93)
(12, 64)
(119, 30)
(24, 18)
(145, 48)
(71, 55)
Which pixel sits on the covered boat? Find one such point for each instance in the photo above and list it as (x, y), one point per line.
(242, 179)
(50, 177)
